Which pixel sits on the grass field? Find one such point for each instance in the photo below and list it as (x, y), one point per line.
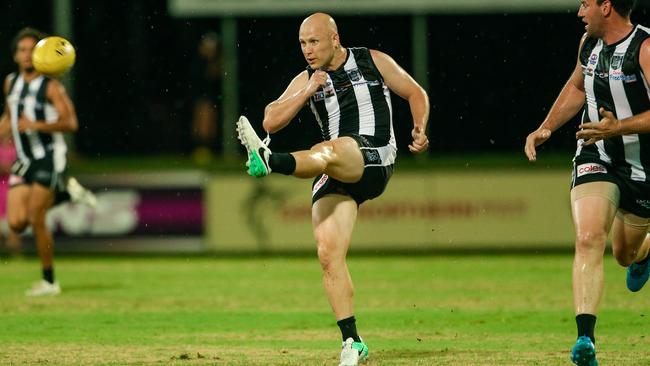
(426, 310)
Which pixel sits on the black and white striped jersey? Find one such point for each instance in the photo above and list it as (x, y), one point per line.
(613, 80)
(355, 100)
(29, 98)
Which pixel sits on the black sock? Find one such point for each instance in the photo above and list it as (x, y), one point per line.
(348, 328)
(586, 324)
(283, 163)
(48, 274)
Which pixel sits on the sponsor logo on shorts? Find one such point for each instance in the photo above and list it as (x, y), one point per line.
(372, 156)
(590, 168)
(15, 179)
(643, 203)
(321, 182)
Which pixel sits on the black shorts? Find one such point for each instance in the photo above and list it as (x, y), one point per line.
(635, 195)
(41, 171)
(373, 182)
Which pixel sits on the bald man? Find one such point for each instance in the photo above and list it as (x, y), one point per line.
(347, 89)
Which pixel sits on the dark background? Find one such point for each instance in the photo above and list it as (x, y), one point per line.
(492, 77)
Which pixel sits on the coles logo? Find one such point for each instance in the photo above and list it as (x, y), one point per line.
(590, 168)
(321, 182)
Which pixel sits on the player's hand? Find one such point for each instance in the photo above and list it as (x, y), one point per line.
(26, 124)
(318, 79)
(535, 139)
(592, 132)
(420, 140)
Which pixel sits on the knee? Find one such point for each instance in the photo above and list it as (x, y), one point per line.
(323, 154)
(591, 240)
(624, 257)
(17, 224)
(37, 219)
(328, 255)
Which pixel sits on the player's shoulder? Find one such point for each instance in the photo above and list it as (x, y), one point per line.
(378, 55)
(10, 78)
(9, 81)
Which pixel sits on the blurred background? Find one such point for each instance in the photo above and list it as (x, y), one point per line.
(158, 85)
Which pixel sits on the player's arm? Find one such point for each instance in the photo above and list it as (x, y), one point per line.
(402, 84)
(67, 121)
(281, 111)
(567, 105)
(5, 119)
(609, 126)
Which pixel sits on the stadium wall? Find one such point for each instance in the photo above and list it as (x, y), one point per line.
(419, 211)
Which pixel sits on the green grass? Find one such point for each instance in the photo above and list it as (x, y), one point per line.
(437, 310)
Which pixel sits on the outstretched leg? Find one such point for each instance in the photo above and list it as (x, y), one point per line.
(340, 158)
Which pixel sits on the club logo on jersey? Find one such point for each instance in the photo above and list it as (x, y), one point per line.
(590, 168)
(617, 60)
(354, 74)
(593, 59)
(371, 156)
(587, 71)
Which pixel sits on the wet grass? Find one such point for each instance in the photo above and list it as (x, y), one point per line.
(419, 310)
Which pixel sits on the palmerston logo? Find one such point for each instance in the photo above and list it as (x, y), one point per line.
(354, 74)
(617, 60)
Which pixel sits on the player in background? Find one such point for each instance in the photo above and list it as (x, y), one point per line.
(611, 173)
(37, 113)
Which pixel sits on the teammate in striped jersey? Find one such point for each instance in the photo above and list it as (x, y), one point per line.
(37, 112)
(347, 89)
(611, 175)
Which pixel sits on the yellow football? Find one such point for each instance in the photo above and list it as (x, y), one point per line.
(53, 56)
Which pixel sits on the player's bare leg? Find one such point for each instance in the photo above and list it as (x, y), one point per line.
(630, 245)
(341, 159)
(17, 202)
(644, 249)
(593, 206)
(333, 218)
(629, 234)
(40, 200)
(593, 218)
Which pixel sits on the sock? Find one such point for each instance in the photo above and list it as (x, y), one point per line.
(586, 324)
(48, 274)
(283, 163)
(348, 328)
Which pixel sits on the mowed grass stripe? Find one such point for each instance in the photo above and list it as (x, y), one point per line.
(431, 310)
